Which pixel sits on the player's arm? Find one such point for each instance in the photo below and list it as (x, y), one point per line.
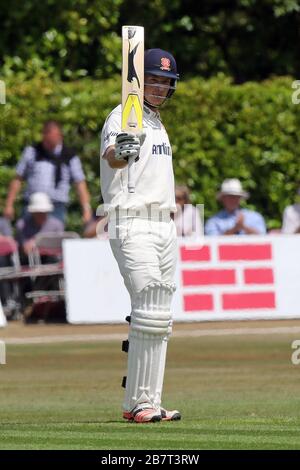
(109, 155)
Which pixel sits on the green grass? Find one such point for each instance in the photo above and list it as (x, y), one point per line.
(233, 392)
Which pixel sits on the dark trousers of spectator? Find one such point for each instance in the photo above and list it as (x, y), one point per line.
(60, 211)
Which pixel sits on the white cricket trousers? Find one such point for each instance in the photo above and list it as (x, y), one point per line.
(145, 251)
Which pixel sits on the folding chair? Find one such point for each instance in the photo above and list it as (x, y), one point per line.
(11, 292)
(9, 247)
(49, 244)
(48, 292)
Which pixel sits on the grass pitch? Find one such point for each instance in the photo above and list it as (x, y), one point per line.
(234, 392)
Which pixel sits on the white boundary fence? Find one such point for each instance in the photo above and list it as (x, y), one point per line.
(2, 316)
(229, 278)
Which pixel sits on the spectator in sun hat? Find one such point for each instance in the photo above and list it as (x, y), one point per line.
(37, 220)
(233, 219)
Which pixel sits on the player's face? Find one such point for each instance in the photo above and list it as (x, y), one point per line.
(156, 89)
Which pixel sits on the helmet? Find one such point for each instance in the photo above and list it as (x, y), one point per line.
(163, 64)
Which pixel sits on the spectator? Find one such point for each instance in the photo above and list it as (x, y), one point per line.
(5, 261)
(37, 220)
(234, 220)
(187, 218)
(97, 228)
(291, 217)
(50, 167)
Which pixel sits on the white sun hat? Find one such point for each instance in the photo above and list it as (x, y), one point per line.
(40, 202)
(232, 187)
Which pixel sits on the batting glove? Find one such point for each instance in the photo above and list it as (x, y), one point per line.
(128, 146)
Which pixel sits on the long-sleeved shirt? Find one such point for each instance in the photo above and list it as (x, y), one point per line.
(224, 220)
(40, 175)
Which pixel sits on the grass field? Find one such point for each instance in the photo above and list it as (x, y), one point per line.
(234, 392)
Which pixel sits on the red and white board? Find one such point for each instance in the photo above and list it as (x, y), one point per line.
(251, 277)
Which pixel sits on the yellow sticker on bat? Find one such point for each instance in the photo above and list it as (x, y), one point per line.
(132, 114)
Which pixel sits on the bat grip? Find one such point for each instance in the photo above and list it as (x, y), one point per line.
(131, 182)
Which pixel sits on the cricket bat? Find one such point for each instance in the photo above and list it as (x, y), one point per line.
(132, 87)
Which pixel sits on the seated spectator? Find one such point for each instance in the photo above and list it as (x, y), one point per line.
(234, 220)
(37, 220)
(187, 218)
(5, 261)
(291, 217)
(97, 227)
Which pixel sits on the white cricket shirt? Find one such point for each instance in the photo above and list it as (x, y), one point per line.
(154, 177)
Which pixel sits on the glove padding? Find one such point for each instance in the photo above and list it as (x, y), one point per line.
(128, 146)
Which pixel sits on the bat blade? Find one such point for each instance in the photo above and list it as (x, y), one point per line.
(132, 86)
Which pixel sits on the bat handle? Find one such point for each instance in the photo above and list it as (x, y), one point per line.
(131, 182)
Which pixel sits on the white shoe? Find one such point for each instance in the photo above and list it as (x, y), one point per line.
(143, 413)
(173, 415)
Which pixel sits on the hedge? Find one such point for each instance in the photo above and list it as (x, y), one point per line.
(217, 130)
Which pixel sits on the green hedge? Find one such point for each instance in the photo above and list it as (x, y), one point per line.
(217, 130)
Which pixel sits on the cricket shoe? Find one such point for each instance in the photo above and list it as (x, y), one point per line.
(173, 415)
(143, 413)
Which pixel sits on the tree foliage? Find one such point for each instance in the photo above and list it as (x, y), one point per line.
(66, 38)
(217, 130)
(245, 39)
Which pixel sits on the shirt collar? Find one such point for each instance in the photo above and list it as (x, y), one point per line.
(150, 113)
(226, 212)
(57, 150)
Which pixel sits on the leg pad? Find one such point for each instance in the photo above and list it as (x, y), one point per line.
(150, 328)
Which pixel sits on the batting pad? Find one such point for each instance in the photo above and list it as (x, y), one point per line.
(150, 329)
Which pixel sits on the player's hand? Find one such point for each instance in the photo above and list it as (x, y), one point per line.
(28, 246)
(239, 224)
(128, 145)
